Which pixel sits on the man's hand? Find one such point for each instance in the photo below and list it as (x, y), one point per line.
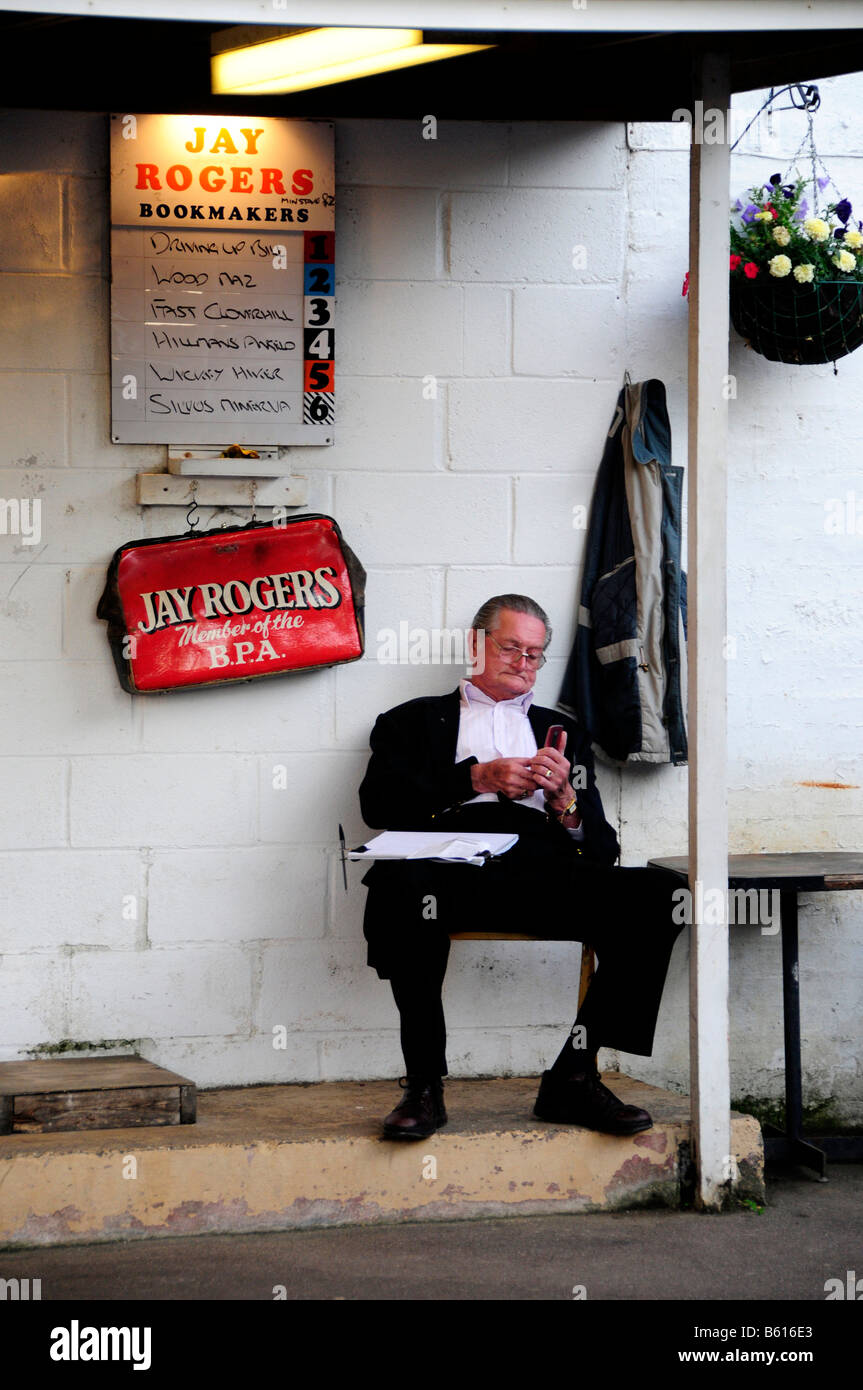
(551, 772)
(519, 777)
(512, 776)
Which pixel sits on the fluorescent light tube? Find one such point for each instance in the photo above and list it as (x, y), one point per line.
(320, 57)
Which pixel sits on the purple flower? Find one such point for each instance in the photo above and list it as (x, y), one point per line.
(843, 210)
(788, 190)
(801, 211)
(749, 212)
(775, 180)
(823, 180)
(738, 206)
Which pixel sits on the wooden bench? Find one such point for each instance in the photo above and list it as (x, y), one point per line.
(588, 959)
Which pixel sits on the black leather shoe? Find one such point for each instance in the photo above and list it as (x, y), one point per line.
(420, 1112)
(583, 1100)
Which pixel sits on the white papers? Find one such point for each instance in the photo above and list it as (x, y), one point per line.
(467, 848)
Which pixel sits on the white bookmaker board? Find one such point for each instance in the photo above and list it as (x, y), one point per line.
(222, 280)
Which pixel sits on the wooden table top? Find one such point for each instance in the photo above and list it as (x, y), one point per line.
(809, 871)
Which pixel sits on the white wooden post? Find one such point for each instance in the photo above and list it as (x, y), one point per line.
(708, 806)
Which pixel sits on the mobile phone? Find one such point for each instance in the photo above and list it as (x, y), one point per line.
(556, 738)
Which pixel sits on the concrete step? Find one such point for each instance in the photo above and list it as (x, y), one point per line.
(271, 1158)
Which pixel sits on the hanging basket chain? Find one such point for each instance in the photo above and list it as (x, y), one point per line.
(815, 161)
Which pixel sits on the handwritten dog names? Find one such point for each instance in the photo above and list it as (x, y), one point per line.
(208, 332)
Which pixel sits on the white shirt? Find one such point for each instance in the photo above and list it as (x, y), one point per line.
(489, 729)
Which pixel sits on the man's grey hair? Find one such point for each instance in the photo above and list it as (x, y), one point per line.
(486, 616)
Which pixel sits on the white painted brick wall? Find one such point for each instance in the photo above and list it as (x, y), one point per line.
(30, 213)
(520, 235)
(572, 331)
(293, 715)
(34, 1001)
(323, 986)
(54, 309)
(248, 895)
(479, 363)
(31, 612)
(187, 993)
(383, 425)
(32, 420)
(33, 805)
(472, 518)
(497, 425)
(303, 796)
(162, 800)
(89, 898)
(396, 328)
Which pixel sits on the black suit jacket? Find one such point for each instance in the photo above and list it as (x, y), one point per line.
(413, 779)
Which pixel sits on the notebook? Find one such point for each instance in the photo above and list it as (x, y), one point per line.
(468, 848)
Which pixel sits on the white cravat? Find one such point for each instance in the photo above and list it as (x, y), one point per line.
(489, 729)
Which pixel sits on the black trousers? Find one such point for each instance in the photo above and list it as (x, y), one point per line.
(541, 887)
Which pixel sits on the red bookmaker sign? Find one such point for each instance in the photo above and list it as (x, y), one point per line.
(233, 604)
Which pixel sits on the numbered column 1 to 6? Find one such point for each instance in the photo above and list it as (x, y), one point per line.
(319, 286)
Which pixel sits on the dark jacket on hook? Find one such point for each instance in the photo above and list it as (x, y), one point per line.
(624, 681)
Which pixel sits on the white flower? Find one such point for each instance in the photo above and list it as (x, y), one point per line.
(803, 274)
(845, 261)
(816, 228)
(853, 239)
(779, 266)
(781, 236)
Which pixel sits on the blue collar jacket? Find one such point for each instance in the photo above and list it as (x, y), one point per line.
(624, 683)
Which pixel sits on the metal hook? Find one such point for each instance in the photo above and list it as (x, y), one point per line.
(254, 515)
(808, 99)
(194, 507)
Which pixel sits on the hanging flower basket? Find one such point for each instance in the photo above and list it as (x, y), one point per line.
(796, 291)
(798, 323)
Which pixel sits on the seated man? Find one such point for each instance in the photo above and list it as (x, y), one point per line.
(475, 760)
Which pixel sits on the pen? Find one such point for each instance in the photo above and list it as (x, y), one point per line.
(344, 858)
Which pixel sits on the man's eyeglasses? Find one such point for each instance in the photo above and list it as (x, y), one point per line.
(512, 653)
